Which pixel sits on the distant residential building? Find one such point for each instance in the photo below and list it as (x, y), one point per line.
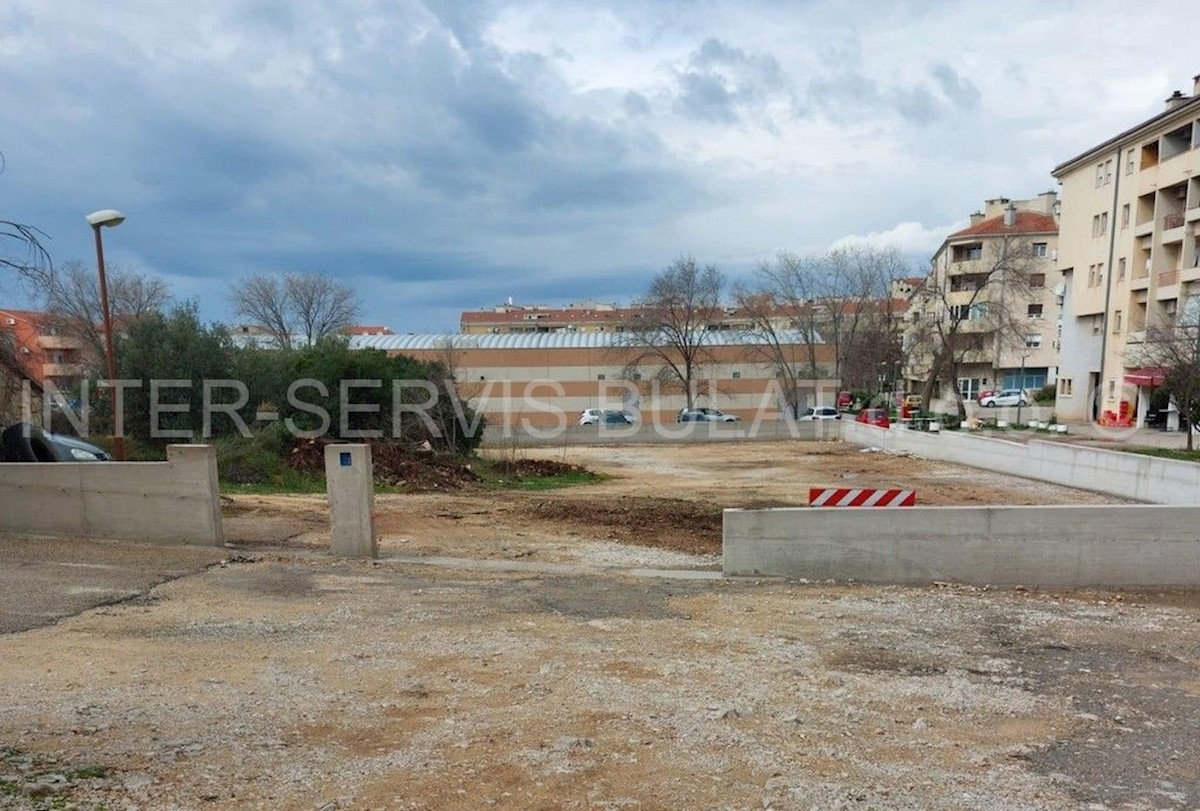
(42, 353)
(587, 316)
(1129, 250)
(1008, 329)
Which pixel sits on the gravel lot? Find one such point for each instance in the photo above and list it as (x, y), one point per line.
(507, 655)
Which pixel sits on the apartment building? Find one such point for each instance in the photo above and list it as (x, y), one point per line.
(1129, 248)
(533, 378)
(996, 281)
(42, 353)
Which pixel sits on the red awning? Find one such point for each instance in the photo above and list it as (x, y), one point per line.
(1146, 377)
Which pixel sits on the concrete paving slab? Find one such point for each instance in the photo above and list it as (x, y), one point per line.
(43, 579)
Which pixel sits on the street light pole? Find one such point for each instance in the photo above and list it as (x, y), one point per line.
(1021, 389)
(110, 219)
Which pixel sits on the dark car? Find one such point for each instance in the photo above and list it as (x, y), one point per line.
(28, 443)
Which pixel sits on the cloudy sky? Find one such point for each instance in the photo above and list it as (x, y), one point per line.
(447, 154)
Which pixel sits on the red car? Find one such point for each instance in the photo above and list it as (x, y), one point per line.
(874, 416)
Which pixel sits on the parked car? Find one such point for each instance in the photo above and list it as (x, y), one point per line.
(985, 393)
(612, 418)
(874, 416)
(913, 400)
(1005, 397)
(844, 399)
(820, 413)
(595, 416)
(704, 415)
(28, 443)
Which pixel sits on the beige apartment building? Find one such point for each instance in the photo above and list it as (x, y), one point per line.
(1128, 251)
(1007, 325)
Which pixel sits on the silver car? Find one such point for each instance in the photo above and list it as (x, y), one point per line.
(1006, 397)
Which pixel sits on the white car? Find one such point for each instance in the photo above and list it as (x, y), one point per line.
(1006, 397)
(595, 416)
(820, 413)
(704, 415)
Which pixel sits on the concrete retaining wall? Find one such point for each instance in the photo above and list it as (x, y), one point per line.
(650, 433)
(1129, 475)
(177, 501)
(1052, 546)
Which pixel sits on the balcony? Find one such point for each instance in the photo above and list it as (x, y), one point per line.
(62, 369)
(1168, 277)
(1173, 221)
(1144, 229)
(59, 342)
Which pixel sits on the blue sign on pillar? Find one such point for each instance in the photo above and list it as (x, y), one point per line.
(345, 458)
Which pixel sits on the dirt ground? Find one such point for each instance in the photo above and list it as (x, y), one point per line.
(510, 650)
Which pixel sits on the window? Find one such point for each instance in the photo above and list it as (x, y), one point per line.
(1108, 170)
(1099, 174)
(1096, 225)
(600, 377)
(1037, 279)
(1034, 311)
(1112, 388)
(737, 375)
(1097, 324)
(1066, 386)
(1125, 216)
(1033, 340)
(1121, 269)
(1129, 162)
(1039, 249)
(1091, 275)
(1117, 322)
(1104, 223)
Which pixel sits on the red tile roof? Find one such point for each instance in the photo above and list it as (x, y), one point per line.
(1028, 222)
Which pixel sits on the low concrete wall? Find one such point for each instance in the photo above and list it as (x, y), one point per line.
(1052, 546)
(1129, 475)
(177, 501)
(651, 433)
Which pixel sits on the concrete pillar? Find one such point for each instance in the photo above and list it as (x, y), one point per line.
(350, 483)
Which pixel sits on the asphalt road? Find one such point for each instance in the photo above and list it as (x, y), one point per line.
(44, 579)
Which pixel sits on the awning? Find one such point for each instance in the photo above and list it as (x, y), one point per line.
(1153, 376)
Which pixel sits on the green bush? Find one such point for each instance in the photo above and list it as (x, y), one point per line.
(258, 459)
(951, 422)
(1046, 394)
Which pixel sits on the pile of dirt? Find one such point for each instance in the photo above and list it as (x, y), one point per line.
(686, 526)
(416, 468)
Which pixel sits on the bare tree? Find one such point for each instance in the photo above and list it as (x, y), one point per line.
(322, 306)
(963, 317)
(669, 329)
(830, 306)
(1173, 344)
(262, 300)
(310, 306)
(73, 302)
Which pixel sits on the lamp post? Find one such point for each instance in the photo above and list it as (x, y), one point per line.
(1021, 388)
(108, 218)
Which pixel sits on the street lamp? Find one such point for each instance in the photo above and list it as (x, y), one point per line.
(1021, 388)
(108, 218)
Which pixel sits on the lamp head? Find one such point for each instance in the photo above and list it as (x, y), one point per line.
(105, 217)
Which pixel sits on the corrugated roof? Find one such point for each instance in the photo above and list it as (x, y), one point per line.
(535, 340)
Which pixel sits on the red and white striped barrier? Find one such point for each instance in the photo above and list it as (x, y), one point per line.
(864, 497)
